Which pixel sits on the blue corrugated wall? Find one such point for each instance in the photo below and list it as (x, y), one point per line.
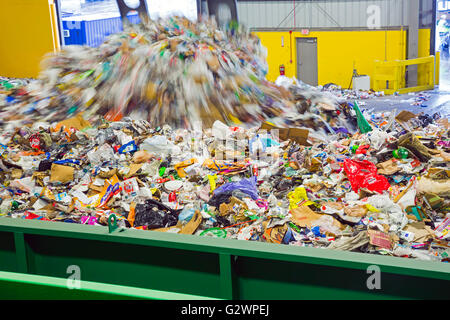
(92, 32)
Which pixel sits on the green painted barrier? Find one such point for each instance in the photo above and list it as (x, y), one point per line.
(19, 286)
(211, 267)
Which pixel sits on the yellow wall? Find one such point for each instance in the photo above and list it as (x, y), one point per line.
(26, 35)
(340, 51)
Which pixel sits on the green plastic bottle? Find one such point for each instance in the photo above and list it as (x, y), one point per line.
(400, 153)
(14, 205)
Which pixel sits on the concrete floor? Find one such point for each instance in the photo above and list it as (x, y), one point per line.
(437, 100)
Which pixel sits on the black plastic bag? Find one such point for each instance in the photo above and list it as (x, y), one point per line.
(154, 215)
(45, 165)
(222, 222)
(217, 199)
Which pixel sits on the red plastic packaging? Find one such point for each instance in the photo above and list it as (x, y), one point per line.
(363, 174)
(172, 197)
(35, 142)
(362, 149)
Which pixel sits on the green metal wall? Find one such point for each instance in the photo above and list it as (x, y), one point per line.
(209, 267)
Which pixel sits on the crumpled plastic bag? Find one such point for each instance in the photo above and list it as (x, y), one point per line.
(378, 138)
(154, 214)
(350, 243)
(160, 145)
(285, 82)
(102, 154)
(186, 214)
(363, 174)
(296, 196)
(248, 186)
(327, 224)
(395, 216)
(261, 143)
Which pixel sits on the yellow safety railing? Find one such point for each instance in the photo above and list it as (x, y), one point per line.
(389, 76)
(437, 68)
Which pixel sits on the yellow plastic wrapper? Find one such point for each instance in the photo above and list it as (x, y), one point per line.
(111, 188)
(371, 208)
(298, 197)
(212, 181)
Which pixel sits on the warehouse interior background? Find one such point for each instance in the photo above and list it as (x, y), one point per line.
(334, 39)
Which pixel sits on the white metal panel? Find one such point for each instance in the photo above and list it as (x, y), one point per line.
(321, 13)
(426, 16)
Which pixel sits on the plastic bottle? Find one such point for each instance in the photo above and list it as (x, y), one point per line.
(400, 153)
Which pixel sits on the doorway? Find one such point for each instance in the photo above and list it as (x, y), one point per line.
(307, 60)
(443, 42)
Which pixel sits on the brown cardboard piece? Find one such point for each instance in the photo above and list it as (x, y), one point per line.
(314, 187)
(405, 116)
(356, 211)
(312, 164)
(134, 168)
(445, 155)
(61, 173)
(388, 167)
(107, 174)
(96, 189)
(16, 173)
(437, 172)
(224, 209)
(142, 156)
(332, 204)
(193, 224)
(421, 231)
(275, 234)
(296, 134)
(303, 216)
(227, 208)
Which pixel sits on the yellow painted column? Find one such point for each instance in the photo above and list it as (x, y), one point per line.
(437, 68)
(29, 31)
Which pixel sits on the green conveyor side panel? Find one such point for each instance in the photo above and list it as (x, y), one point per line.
(7, 252)
(19, 286)
(210, 267)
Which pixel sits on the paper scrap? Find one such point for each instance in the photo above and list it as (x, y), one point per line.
(61, 173)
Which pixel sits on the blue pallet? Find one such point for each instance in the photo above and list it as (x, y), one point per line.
(83, 31)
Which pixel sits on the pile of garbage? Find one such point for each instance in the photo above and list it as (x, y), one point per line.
(170, 71)
(383, 191)
(350, 94)
(7, 84)
(171, 127)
